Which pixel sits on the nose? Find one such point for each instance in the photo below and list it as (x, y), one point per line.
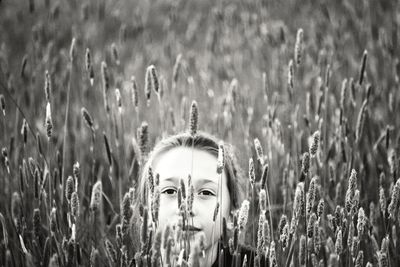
(193, 208)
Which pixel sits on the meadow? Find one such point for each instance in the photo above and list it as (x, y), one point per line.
(306, 91)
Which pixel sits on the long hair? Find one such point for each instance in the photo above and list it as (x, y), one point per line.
(201, 141)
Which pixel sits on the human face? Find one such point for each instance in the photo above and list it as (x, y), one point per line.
(209, 187)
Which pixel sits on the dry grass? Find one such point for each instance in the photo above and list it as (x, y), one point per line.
(308, 92)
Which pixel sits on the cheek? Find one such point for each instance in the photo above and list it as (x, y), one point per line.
(168, 206)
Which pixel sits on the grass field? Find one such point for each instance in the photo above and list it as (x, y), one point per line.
(309, 90)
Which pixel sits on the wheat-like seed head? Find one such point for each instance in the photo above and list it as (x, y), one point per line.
(72, 50)
(97, 192)
(3, 104)
(135, 93)
(49, 121)
(216, 210)
(87, 118)
(47, 86)
(114, 52)
(298, 50)
(75, 204)
(69, 188)
(314, 144)
(339, 243)
(111, 252)
(395, 200)
(252, 174)
(194, 118)
(143, 137)
(259, 151)
(362, 67)
(221, 158)
(177, 67)
(290, 75)
(243, 214)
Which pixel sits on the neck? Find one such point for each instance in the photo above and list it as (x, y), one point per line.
(211, 255)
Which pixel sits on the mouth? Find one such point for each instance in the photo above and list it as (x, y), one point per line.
(191, 228)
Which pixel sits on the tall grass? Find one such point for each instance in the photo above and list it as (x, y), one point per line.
(308, 94)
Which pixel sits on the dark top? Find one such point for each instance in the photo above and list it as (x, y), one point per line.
(230, 260)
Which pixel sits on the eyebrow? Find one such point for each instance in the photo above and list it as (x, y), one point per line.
(201, 180)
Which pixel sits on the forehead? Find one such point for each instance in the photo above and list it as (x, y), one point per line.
(179, 162)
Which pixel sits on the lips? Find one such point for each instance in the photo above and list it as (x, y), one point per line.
(191, 228)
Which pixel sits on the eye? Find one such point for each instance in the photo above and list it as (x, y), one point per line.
(206, 192)
(169, 191)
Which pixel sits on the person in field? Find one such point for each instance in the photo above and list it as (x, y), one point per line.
(190, 174)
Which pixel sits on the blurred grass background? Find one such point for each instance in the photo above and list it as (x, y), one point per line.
(220, 42)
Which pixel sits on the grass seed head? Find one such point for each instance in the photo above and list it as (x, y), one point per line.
(143, 137)
(190, 199)
(156, 249)
(259, 151)
(75, 204)
(49, 121)
(23, 65)
(290, 75)
(343, 93)
(272, 255)
(362, 67)
(118, 99)
(111, 252)
(284, 237)
(360, 121)
(88, 60)
(339, 242)
(252, 173)
(155, 204)
(382, 200)
(135, 92)
(302, 250)
(221, 158)
(260, 234)
(72, 50)
(3, 104)
(359, 259)
(37, 227)
(298, 50)
(305, 163)
(95, 200)
(311, 195)
(24, 130)
(361, 222)
(299, 201)
(320, 208)
(16, 209)
(264, 176)
(314, 144)
(177, 67)
(144, 227)
(243, 214)
(87, 118)
(148, 84)
(351, 190)
(263, 200)
(395, 200)
(216, 210)
(69, 188)
(47, 85)
(115, 54)
(194, 118)
(53, 220)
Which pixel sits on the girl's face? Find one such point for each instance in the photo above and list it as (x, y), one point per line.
(209, 187)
